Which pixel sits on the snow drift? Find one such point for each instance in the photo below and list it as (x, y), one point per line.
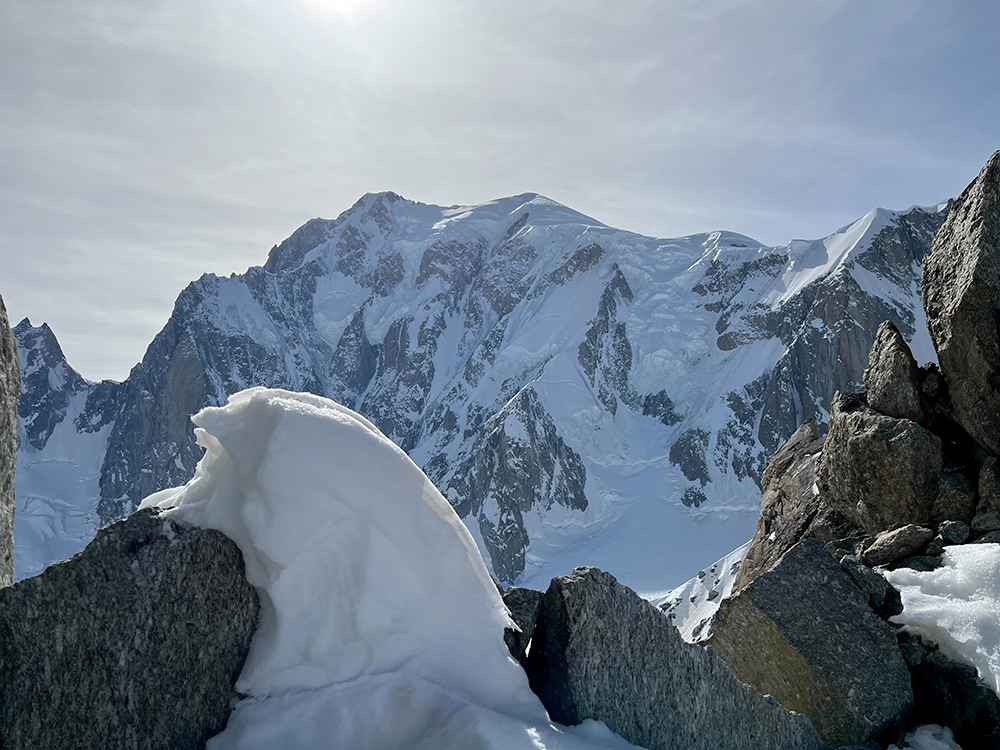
(955, 606)
(379, 625)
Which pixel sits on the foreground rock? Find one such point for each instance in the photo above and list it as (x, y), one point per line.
(961, 293)
(134, 643)
(10, 392)
(877, 470)
(791, 508)
(804, 633)
(599, 651)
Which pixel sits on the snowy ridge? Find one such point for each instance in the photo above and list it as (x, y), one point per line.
(692, 605)
(579, 394)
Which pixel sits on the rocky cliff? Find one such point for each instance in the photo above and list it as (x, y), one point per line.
(644, 382)
(10, 392)
(135, 643)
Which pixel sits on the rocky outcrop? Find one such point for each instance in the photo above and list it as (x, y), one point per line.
(892, 377)
(882, 596)
(523, 605)
(896, 544)
(877, 470)
(804, 633)
(10, 392)
(134, 643)
(791, 508)
(961, 295)
(599, 651)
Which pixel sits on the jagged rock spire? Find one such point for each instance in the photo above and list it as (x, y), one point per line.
(961, 294)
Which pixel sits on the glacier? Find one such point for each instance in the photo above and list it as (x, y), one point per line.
(580, 394)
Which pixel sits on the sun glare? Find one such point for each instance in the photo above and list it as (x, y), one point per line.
(350, 12)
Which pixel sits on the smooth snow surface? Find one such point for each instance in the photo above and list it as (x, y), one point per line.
(956, 606)
(928, 737)
(380, 626)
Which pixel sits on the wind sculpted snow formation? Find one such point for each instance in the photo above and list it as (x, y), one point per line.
(580, 394)
(379, 624)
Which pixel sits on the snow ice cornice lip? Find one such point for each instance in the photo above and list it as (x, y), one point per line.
(649, 380)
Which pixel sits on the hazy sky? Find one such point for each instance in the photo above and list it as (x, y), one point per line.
(144, 142)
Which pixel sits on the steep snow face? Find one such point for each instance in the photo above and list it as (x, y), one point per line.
(580, 394)
(379, 624)
(692, 605)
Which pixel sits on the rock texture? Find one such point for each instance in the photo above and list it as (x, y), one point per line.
(877, 470)
(890, 546)
(600, 651)
(10, 392)
(523, 605)
(804, 633)
(791, 508)
(961, 295)
(134, 643)
(883, 598)
(892, 377)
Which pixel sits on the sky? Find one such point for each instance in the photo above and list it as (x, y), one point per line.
(145, 142)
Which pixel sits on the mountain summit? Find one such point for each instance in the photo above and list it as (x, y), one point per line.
(580, 394)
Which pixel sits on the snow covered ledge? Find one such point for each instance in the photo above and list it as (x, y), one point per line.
(379, 623)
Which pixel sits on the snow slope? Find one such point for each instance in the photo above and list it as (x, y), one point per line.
(579, 394)
(380, 625)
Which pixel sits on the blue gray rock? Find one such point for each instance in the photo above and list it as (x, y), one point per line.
(599, 651)
(134, 643)
(804, 633)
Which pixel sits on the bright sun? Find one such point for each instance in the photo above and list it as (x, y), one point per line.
(346, 11)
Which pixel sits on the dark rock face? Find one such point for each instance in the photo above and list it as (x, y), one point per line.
(952, 695)
(134, 643)
(600, 651)
(804, 633)
(882, 596)
(989, 486)
(791, 508)
(523, 605)
(877, 470)
(961, 294)
(10, 392)
(892, 377)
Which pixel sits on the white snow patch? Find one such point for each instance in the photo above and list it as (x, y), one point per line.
(692, 605)
(379, 623)
(928, 737)
(955, 606)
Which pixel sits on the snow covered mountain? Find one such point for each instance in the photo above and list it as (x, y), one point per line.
(580, 394)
